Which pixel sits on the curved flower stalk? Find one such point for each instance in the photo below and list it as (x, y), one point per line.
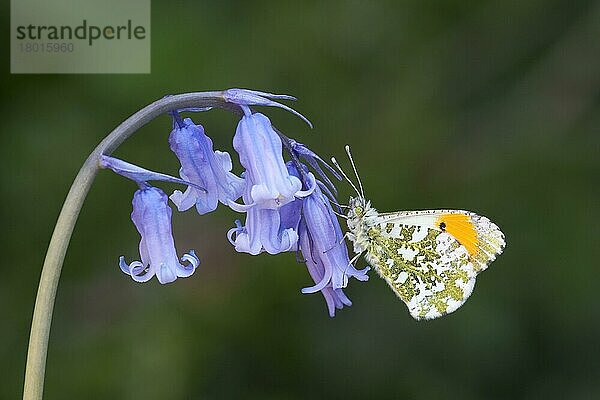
(50, 274)
(202, 166)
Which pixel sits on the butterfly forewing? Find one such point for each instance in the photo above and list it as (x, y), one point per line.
(431, 258)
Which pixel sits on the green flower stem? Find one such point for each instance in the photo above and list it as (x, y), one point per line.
(44, 303)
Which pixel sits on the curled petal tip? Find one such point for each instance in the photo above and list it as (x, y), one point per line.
(230, 234)
(136, 270)
(183, 271)
(309, 290)
(192, 258)
(123, 265)
(239, 207)
(319, 285)
(308, 192)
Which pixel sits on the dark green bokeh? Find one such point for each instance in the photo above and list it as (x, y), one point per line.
(487, 106)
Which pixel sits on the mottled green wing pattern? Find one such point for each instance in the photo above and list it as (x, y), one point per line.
(425, 265)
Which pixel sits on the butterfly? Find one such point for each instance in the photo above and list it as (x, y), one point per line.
(429, 258)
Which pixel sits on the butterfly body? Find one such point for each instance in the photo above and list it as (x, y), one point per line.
(429, 258)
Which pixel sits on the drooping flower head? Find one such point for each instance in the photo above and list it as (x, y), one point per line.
(269, 185)
(324, 250)
(334, 298)
(271, 192)
(202, 166)
(326, 238)
(152, 217)
(288, 206)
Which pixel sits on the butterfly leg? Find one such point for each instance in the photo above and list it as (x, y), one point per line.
(354, 259)
(340, 242)
(346, 236)
(350, 263)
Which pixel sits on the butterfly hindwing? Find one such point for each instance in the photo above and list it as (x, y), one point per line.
(431, 258)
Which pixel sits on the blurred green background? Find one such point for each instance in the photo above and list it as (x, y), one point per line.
(491, 106)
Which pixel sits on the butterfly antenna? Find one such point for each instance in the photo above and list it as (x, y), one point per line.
(334, 161)
(362, 192)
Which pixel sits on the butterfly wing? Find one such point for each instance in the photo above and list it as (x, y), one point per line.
(431, 258)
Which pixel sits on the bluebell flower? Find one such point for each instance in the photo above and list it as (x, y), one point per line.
(326, 243)
(335, 298)
(152, 217)
(273, 231)
(324, 250)
(270, 230)
(202, 166)
(268, 183)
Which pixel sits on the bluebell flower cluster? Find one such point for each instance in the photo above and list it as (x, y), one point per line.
(287, 204)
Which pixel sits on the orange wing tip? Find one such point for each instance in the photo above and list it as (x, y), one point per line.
(462, 229)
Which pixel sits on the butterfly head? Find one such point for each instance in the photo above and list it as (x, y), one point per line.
(360, 208)
(357, 206)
